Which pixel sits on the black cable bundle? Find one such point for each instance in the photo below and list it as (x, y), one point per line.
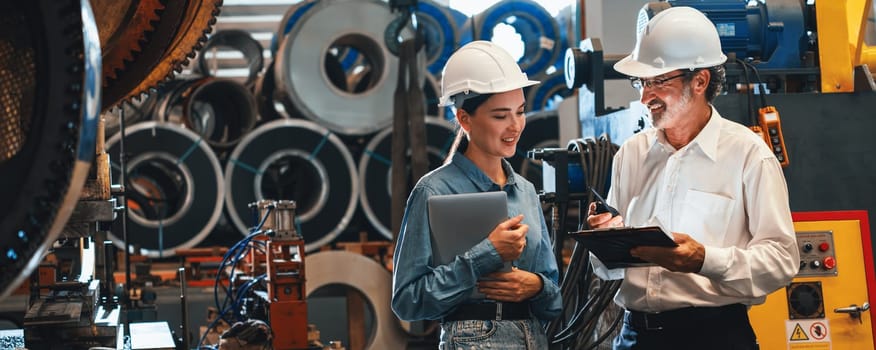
(586, 297)
(752, 111)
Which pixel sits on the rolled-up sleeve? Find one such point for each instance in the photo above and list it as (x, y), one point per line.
(421, 291)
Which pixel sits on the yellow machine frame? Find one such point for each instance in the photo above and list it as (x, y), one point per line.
(841, 48)
(854, 283)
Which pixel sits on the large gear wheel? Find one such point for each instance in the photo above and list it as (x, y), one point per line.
(159, 39)
(49, 91)
(124, 25)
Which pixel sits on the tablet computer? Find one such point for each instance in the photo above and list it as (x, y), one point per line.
(460, 221)
(612, 245)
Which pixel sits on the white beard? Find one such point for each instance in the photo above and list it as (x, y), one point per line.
(674, 111)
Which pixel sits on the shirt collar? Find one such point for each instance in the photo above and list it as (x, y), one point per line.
(706, 140)
(477, 176)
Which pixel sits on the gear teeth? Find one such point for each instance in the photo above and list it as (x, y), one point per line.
(185, 47)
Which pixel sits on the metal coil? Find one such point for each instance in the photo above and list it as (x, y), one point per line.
(368, 278)
(440, 30)
(548, 94)
(174, 191)
(538, 30)
(375, 169)
(361, 103)
(290, 19)
(463, 27)
(237, 40)
(294, 159)
(222, 111)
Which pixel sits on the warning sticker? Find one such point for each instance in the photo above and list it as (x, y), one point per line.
(798, 334)
(818, 331)
(808, 334)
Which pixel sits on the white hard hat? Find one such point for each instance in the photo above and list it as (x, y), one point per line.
(480, 67)
(676, 38)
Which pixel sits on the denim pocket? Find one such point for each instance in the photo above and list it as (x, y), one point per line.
(472, 332)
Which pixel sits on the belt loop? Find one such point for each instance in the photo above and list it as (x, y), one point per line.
(498, 311)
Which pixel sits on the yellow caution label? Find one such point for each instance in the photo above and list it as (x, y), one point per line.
(798, 334)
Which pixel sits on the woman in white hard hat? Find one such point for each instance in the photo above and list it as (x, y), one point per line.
(486, 85)
(712, 182)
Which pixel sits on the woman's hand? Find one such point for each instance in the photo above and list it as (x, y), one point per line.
(509, 238)
(510, 286)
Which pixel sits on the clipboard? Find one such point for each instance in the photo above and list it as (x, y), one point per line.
(612, 245)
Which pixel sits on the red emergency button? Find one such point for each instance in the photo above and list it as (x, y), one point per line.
(829, 263)
(824, 246)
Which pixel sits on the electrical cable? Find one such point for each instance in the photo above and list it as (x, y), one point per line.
(761, 84)
(751, 114)
(585, 297)
(231, 259)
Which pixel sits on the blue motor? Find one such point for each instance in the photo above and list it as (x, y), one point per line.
(774, 36)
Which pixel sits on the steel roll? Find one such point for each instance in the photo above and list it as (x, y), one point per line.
(294, 159)
(174, 188)
(548, 94)
(463, 27)
(375, 170)
(370, 279)
(440, 31)
(222, 111)
(290, 19)
(538, 30)
(542, 131)
(361, 102)
(236, 40)
(263, 91)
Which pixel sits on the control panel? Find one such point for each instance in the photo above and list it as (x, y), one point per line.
(817, 255)
(771, 127)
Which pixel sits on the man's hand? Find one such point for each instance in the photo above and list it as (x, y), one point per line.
(511, 286)
(509, 238)
(688, 256)
(604, 219)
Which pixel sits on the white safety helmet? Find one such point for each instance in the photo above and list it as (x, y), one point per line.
(676, 38)
(480, 67)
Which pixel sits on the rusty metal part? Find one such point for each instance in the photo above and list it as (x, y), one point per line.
(122, 25)
(148, 42)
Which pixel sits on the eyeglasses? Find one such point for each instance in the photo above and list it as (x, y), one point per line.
(656, 83)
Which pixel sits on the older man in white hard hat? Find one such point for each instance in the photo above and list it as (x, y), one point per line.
(712, 183)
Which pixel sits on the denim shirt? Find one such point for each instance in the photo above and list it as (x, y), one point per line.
(422, 291)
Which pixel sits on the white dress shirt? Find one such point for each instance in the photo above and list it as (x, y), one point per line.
(727, 191)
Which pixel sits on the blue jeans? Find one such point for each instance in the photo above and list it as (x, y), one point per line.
(491, 334)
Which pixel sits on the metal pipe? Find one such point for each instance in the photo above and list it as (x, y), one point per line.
(185, 310)
(124, 206)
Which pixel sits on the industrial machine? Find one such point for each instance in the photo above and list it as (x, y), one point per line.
(264, 277)
(827, 305)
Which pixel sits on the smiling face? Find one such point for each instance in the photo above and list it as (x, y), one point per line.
(495, 126)
(667, 102)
